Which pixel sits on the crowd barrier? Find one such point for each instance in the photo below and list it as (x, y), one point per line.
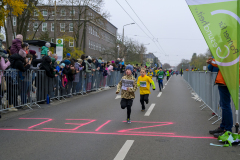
(28, 89)
(203, 89)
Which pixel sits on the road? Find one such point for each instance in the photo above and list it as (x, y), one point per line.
(92, 127)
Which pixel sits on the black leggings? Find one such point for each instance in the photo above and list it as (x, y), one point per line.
(127, 103)
(144, 98)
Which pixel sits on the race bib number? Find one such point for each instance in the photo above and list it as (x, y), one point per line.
(160, 76)
(143, 84)
(127, 84)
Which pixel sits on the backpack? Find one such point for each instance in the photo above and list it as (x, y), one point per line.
(64, 80)
(105, 73)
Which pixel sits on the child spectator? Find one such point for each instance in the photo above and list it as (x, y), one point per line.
(16, 44)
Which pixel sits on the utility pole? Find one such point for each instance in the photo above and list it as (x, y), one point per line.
(55, 25)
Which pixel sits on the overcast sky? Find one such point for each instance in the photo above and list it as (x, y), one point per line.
(170, 21)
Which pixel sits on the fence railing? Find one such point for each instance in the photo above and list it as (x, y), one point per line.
(204, 90)
(28, 89)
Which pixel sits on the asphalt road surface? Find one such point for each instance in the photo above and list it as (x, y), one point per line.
(93, 127)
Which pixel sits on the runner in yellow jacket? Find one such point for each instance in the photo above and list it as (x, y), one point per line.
(144, 84)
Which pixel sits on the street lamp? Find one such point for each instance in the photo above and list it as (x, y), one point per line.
(123, 31)
(118, 50)
(123, 34)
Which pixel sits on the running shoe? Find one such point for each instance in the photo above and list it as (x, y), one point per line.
(218, 130)
(128, 121)
(216, 135)
(143, 110)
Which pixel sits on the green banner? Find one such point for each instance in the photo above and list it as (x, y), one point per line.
(219, 23)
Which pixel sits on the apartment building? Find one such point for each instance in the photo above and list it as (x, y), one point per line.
(80, 26)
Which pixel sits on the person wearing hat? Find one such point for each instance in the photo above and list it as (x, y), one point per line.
(144, 84)
(45, 49)
(16, 44)
(68, 57)
(69, 71)
(128, 85)
(35, 61)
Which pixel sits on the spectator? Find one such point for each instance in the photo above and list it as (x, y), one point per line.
(68, 57)
(49, 53)
(225, 104)
(114, 67)
(35, 61)
(89, 74)
(45, 49)
(105, 74)
(69, 72)
(122, 69)
(77, 80)
(83, 63)
(18, 60)
(49, 76)
(3, 65)
(16, 44)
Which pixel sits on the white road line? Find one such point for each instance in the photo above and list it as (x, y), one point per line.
(159, 95)
(124, 150)
(118, 97)
(149, 110)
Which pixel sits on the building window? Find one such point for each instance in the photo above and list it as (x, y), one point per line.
(52, 27)
(62, 27)
(44, 12)
(71, 43)
(90, 15)
(14, 35)
(53, 13)
(100, 48)
(90, 29)
(89, 44)
(14, 21)
(72, 12)
(44, 27)
(93, 45)
(52, 40)
(35, 12)
(35, 26)
(97, 46)
(71, 27)
(63, 12)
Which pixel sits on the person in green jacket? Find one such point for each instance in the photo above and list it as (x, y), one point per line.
(168, 75)
(45, 49)
(160, 76)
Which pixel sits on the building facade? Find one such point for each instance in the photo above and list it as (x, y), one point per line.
(79, 26)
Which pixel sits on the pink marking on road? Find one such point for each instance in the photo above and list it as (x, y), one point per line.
(104, 133)
(163, 124)
(48, 120)
(102, 125)
(78, 125)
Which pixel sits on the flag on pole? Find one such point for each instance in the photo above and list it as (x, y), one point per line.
(219, 22)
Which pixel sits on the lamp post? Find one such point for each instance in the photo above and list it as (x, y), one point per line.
(118, 50)
(123, 35)
(55, 25)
